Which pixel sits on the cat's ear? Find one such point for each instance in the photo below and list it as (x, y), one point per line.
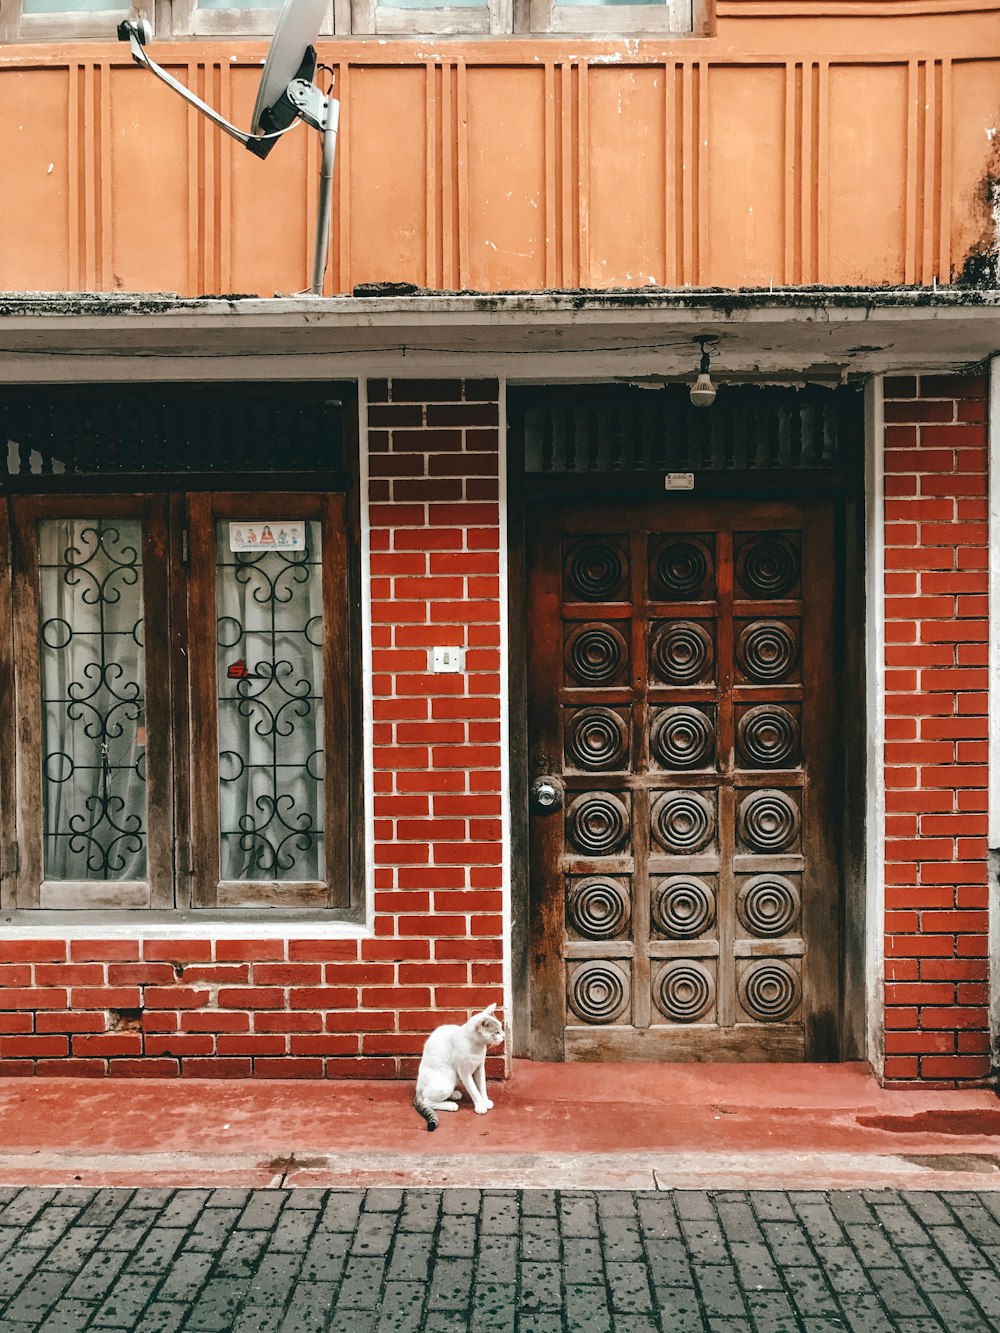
(489, 1009)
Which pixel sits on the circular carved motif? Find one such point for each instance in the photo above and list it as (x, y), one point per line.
(684, 821)
(596, 738)
(599, 908)
(595, 571)
(768, 735)
(595, 654)
(768, 821)
(769, 991)
(768, 567)
(768, 905)
(682, 652)
(766, 650)
(683, 907)
(685, 991)
(683, 737)
(679, 568)
(599, 992)
(597, 823)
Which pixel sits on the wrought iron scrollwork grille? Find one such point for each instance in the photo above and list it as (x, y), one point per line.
(92, 668)
(270, 699)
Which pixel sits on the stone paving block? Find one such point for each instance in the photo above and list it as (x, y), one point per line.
(930, 1208)
(694, 1205)
(450, 1284)
(311, 1197)
(540, 1238)
(577, 1216)
(720, 1293)
(583, 1260)
(361, 1284)
(494, 1306)
(400, 1309)
(293, 1231)
(126, 1300)
(984, 1286)
(457, 1235)
(977, 1221)
(183, 1208)
(261, 1212)
(67, 1316)
(586, 1308)
(105, 1206)
(96, 1275)
(48, 1226)
(621, 1239)
(215, 1309)
(872, 1246)
(374, 1233)
(788, 1244)
(266, 1297)
(540, 1322)
(899, 1293)
(754, 1267)
(680, 1309)
(228, 1198)
(657, 1217)
(737, 1220)
(811, 1293)
(326, 1256)
(957, 1248)
(445, 1321)
(421, 1210)
(129, 1229)
(411, 1257)
(500, 1212)
(843, 1268)
(850, 1206)
(634, 1323)
(36, 1296)
(156, 1253)
(310, 1307)
(927, 1270)
(460, 1201)
(341, 1210)
(616, 1203)
(773, 1206)
(538, 1203)
(241, 1254)
(9, 1237)
(211, 1229)
(820, 1224)
(161, 1317)
(186, 1277)
(354, 1322)
(628, 1286)
(541, 1287)
(704, 1239)
(669, 1263)
(76, 1244)
(863, 1312)
(25, 1205)
(900, 1224)
(497, 1260)
(387, 1201)
(771, 1312)
(957, 1312)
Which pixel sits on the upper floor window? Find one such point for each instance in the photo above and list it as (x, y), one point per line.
(40, 20)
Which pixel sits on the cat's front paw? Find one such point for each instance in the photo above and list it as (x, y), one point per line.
(481, 1110)
(489, 1104)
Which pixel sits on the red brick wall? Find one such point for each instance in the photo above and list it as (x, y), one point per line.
(313, 1008)
(936, 631)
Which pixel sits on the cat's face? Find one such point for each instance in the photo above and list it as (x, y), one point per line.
(489, 1028)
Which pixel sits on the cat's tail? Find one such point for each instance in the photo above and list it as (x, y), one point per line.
(428, 1112)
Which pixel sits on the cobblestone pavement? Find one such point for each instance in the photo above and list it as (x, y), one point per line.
(298, 1260)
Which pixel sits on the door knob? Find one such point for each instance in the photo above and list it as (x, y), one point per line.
(546, 793)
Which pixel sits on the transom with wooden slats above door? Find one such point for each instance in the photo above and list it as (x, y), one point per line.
(681, 681)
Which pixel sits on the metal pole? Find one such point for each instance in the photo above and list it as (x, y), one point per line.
(325, 198)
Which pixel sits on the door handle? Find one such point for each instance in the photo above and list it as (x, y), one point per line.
(546, 794)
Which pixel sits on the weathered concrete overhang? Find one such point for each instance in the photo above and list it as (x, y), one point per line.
(789, 334)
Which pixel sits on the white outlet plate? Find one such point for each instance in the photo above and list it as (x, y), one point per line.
(448, 659)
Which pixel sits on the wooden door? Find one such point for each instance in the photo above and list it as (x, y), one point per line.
(683, 694)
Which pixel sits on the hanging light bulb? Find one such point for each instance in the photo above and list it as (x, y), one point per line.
(703, 390)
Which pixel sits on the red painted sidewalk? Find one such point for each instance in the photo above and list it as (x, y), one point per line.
(634, 1126)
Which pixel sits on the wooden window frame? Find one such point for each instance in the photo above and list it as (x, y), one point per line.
(186, 18)
(16, 26)
(30, 887)
(677, 18)
(182, 793)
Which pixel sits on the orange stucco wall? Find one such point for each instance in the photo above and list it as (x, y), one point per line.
(835, 143)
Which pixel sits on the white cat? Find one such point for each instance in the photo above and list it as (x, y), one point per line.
(454, 1054)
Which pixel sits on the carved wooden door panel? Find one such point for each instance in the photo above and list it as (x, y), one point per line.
(685, 892)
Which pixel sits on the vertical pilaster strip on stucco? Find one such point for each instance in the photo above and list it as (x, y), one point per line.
(875, 707)
(367, 707)
(505, 808)
(993, 468)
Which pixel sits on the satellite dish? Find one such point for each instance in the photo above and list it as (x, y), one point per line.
(286, 94)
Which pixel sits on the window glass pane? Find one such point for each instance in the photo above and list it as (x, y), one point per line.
(270, 674)
(93, 695)
(237, 4)
(605, 3)
(71, 7)
(434, 4)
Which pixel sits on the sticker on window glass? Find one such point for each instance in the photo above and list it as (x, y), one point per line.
(273, 535)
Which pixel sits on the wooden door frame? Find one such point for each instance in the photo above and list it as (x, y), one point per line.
(845, 486)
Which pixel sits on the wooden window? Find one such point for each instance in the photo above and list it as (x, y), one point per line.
(412, 17)
(241, 18)
(181, 676)
(66, 20)
(596, 17)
